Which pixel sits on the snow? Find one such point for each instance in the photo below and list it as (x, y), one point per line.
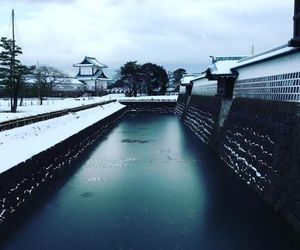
(19, 144)
(92, 62)
(189, 77)
(223, 67)
(50, 105)
(167, 98)
(282, 50)
(200, 77)
(223, 64)
(33, 108)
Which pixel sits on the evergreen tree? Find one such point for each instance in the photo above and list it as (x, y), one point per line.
(155, 77)
(132, 77)
(12, 72)
(177, 75)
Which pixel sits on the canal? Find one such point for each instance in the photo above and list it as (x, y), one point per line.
(151, 184)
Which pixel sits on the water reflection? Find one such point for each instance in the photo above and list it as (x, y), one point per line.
(151, 184)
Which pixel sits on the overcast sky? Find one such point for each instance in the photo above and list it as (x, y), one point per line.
(171, 33)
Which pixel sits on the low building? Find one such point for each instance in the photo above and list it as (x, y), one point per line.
(72, 87)
(220, 71)
(217, 80)
(90, 72)
(186, 83)
(203, 86)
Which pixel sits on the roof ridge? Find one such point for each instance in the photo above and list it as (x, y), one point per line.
(264, 53)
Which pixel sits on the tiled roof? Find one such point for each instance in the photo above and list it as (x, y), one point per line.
(90, 61)
(222, 65)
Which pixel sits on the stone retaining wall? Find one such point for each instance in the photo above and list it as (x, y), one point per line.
(157, 107)
(259, 140)
(202, 117)
(180, 105)
(22, 184)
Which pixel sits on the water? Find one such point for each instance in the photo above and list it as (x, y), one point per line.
(151, 184)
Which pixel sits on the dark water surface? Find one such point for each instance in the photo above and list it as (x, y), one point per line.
(151, 184)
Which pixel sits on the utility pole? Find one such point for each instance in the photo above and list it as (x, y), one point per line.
(12, 64)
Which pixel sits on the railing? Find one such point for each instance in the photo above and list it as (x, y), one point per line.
(46, 116)
(284, 87)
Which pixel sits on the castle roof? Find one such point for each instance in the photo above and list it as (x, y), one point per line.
(99, 74)
(89, 62)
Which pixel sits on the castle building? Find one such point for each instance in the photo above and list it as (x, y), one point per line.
(90, 72)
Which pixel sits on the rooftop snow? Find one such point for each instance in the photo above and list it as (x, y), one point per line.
(222, 65)
(89, 62)
(267, 55)
(189, 77)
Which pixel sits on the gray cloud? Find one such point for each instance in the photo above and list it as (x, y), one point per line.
(174, 33)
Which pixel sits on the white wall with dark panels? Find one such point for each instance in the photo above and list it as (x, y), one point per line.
(273, 79)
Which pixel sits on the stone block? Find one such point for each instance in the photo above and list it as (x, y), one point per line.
(276, 181)
(294, 173)
(297, 209)
(294, 221)
(296, 190)
(286, 141)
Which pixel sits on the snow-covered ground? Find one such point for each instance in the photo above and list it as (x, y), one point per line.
(20, 144)
(32, 108)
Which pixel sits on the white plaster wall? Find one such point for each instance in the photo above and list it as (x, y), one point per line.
(282, 65)
(204, 87)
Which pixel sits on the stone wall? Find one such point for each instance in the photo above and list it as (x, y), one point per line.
(259, 140)
(21, 185)
(151, 106)
(180, 105)
(202, 117)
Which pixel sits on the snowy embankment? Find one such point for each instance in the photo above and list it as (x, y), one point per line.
(19, 144)
(31, 107)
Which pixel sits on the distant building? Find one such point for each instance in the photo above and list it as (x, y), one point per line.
(91, 74)
(217, 80)
(186, 83)
(220, 71)
(72, 87)
(203, 86)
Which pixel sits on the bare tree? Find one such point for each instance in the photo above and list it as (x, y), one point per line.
(46, 78)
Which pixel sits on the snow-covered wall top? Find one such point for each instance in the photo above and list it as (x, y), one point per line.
(189, 77)
(272, 76)
(19, 144)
